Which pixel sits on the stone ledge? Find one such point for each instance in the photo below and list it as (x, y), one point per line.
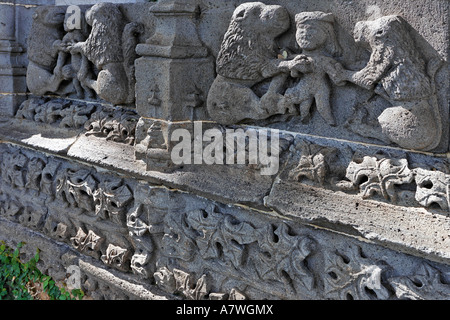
(56, 257)
(406, 229)
(413, 231)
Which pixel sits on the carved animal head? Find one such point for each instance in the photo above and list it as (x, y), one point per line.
(272, 20)
(250, 39)
(103, 11)
(104, 44)
(390, 38)
(46, 28)
(50, 15)
(388, 29)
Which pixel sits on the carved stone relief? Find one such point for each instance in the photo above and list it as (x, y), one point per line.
(397, 71)
(68, 203)
(361, 111)
(248, 57)
(433, 187)
(376, 175)
(396, 98)
(202, 249)
(43, 73)
(372, 175)
(96, 60)
(118, 125)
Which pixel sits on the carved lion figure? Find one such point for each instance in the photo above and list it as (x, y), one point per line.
(398, 72)
(43, 75)
(110, 47)
(248, 57)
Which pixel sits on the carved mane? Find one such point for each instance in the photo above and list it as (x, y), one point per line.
(45, 30)
(246, 49)
(104, 44)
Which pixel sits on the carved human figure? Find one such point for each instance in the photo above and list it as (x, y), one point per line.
(70, 63)
(248, 57)
(397, 72)
(316, 38)
(43, 73)
(111, 48)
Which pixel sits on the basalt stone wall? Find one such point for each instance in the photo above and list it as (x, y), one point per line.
(121, 160)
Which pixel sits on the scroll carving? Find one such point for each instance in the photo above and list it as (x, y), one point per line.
(278, 258)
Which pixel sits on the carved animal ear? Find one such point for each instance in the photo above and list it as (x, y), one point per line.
(240, 15)
(380, 32)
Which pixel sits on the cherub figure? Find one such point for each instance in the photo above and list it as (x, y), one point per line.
(316, 38)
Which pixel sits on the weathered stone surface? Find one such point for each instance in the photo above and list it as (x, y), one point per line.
(409, 230)
(118, 160)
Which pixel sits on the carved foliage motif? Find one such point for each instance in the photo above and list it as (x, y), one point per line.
(65, 114)
(88, 243)
(351, 275)
(427, 283)
(372, 175)
(115, 125)
(145, 225)
(168, 245)
(178, 281)
(433, 187)
(313, 164)
(116, 256)
(390, 178)
(62, 201)
(262, 254)
(118, 125)
(111, 199)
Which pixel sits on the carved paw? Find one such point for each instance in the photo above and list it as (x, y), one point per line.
(362, 80)
(75, 48)
(302, 64)
(269, 103)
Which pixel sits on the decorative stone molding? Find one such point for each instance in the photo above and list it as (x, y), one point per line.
(353, 108)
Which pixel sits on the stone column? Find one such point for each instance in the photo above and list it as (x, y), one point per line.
(173, 77)
(12, 73)
(175, 72)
